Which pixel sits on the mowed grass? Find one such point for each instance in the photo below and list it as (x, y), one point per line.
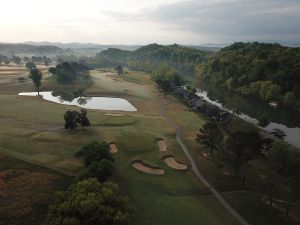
(136, 77)
(255, 211)
(10, 75)
(118, 121)
(31, 129)
(176, 197)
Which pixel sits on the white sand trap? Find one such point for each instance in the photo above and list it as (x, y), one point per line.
(162, 145)
(171, 162)
(147, 169)
(113, 148)
(114, 114)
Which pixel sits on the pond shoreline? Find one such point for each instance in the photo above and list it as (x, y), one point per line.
(98, 103)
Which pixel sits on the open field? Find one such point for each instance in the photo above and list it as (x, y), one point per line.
(14, 78)
(32, 130)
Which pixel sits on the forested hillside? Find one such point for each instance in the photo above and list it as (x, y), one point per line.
(149, 57)
(24, 49)
(270, 72)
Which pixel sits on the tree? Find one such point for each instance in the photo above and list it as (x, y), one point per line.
(72, 118)
(67, 72)
(240, 148)
(263, 122)
(52, 70)
(36, 77)
(102, 170)
(289, 99)
(84, 121)
(210, 135)
(277, 151)
(119, 69)
(17, 60)
(90, 202)
(30, 65)
(95, 151)
(26, 59)
(192, 90)
(286, 163)
(173, 76)
(165, 86)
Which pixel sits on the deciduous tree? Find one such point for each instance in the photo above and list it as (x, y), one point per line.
(36, 77)
(210, 135)
(90, 202)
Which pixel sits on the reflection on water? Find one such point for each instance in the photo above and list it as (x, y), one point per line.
(282, 118)
(103, 103)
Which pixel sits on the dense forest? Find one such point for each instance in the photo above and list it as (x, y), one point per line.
(148, 58)
(269, 72)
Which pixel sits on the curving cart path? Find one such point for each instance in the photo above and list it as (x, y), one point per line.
(197, 171)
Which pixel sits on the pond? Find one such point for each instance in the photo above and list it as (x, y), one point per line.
(287, 120)
(102, 103)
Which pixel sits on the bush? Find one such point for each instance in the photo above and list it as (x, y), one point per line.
(95, 151)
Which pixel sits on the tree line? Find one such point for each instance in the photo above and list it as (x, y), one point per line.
(149, 57)
(18, 60)
(280, 178)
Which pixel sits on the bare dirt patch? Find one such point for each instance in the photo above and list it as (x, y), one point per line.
(147, 169)
(113, 148)
(114, 114)
(162, 146)
(171, 162)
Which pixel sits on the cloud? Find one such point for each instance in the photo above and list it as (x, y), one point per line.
(227, 20)
(162, 21)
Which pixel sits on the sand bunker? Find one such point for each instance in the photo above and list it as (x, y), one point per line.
(205, 155)
(147, 169)
(162, 145)
(113, 148)
(114, 114)
(171, 162)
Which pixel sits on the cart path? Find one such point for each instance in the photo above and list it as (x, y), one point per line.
(196, 169)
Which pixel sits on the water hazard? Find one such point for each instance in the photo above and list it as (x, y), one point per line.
(102, 103)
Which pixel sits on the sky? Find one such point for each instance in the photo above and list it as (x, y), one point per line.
(150, 21)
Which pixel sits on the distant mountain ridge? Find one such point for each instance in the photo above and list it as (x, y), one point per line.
(86, 49)
(77, 45)
(25, 49)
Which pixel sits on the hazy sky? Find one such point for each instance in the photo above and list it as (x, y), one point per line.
(148, 21)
